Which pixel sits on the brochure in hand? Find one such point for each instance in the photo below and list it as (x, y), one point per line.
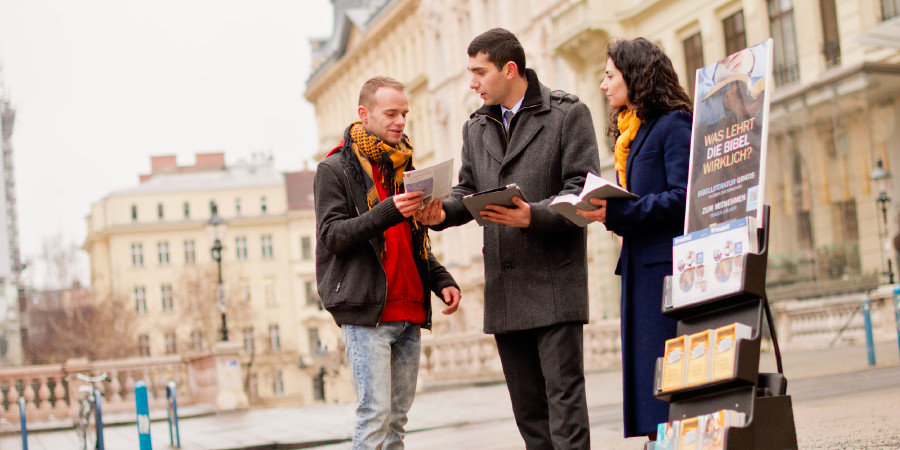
(594, 187)
(501, 196)
(434, 181)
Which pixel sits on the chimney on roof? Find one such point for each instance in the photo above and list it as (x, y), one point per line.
(206, 162)
(210, 161)
(162, 164)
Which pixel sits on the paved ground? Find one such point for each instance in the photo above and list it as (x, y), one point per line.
(839, 402)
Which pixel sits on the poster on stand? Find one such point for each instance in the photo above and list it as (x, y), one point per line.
(728, 140)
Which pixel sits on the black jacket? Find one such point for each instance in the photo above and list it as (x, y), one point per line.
(350, 277)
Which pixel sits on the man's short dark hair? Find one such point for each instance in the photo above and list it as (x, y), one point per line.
(500, 46)
(372, 85)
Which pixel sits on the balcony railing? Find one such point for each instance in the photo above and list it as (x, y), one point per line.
(447, 359)
(827, 271)
(49, 397)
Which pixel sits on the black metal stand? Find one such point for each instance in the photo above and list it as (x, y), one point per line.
(761, 396)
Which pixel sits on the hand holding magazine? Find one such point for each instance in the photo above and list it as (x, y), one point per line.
(434, 181)
(594, 187)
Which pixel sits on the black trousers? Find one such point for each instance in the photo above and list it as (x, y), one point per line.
(544, 370)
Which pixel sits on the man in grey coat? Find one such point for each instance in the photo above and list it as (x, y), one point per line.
(535, 262)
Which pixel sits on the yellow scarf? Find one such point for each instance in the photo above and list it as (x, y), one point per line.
(629, 123)
(392, 161)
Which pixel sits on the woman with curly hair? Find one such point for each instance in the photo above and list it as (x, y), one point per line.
(650, 121)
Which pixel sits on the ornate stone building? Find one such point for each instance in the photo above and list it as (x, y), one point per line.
(423, 44)
(147, 244)
(833, 109)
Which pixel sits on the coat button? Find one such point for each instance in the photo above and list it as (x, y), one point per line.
(503, 174)
(507, 266)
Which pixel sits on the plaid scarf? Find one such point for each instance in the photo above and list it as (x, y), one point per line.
(392, 161)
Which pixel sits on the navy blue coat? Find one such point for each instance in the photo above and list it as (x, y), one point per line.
(657, 171)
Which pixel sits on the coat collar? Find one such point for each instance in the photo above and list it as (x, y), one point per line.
(536, 101)
(533, 96)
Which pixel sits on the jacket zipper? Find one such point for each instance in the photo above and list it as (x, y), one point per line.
(380, 263)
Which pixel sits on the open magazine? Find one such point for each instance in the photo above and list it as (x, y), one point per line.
(434, 181)
(594, 187)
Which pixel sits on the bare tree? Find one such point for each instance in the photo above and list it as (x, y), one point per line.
(69, 323)
(198, 287)
(59, 262)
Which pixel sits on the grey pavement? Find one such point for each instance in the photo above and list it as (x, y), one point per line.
(839, 402)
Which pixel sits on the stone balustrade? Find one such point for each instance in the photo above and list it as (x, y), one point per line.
(472, 356)
(469, 357)
(49, 397)
(823, 323)
(602, 345)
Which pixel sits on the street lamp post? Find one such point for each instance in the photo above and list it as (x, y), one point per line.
(215, 227)
(882, 178)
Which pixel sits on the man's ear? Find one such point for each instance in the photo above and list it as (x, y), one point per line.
(510, 70)
(363, 114)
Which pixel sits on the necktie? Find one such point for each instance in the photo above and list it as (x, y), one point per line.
(507, 119)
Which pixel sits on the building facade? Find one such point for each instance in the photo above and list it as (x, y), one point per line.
(833, 111)
(149, 244)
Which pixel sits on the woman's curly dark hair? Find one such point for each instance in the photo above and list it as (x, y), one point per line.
(651, 80)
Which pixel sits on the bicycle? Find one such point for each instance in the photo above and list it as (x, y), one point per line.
(89, 422)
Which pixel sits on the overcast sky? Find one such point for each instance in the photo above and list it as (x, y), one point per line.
(99, 86)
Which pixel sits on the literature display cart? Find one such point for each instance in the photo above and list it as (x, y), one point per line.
(761, 397)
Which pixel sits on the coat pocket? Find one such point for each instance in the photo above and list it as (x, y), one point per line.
(646, 154)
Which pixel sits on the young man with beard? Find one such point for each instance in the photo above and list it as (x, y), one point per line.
(374, 267)
(535, 260)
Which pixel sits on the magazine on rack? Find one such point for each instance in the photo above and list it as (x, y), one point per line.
(726, 178)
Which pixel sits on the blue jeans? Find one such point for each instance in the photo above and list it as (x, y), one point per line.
(385, 364)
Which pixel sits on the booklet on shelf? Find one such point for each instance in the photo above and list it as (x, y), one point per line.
(724, 348)
(712, 431)
(667, 434)
(672, 376)
(697, 371)
(712, 428)
(434, 181)
(703, 432)
(501, 196)
(594, 187)
(709, 263)
(689, 433)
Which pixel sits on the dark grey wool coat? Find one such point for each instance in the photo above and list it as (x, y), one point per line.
(534, 277)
